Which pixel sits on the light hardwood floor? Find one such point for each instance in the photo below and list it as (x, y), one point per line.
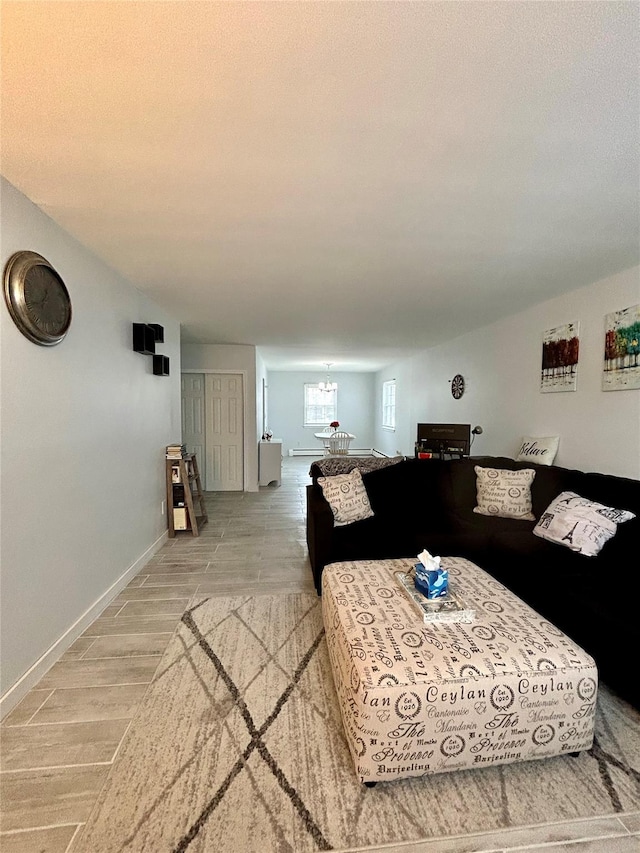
(59, 743)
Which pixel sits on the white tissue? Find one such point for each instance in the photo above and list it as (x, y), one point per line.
(431, 564)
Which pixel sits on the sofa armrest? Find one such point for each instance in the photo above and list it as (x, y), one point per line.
(319, 532)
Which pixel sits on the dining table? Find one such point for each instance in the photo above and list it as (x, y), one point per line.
(325, 436)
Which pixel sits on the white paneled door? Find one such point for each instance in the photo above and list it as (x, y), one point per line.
(193, 432)
(224, 419)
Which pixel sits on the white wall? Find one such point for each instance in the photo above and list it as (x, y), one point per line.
(599, 430)
(84, 430)
(286, 407)
(229, 358)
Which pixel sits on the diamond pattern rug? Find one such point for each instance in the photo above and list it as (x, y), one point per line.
(238, 746)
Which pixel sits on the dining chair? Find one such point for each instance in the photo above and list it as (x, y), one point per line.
(325, 441)
(339, 443)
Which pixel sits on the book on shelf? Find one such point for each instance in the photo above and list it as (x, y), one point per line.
(176, 451)
(180, 518)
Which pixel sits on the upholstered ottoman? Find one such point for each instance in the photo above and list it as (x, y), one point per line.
(428, 697)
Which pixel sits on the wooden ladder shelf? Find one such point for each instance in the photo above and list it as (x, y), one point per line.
(188, 476)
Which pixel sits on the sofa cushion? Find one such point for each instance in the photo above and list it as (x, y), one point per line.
(580, 524)
(347, 497)
(504, 493)
(406, 494)
(549, 482)
(471, 544)
(541, 450)
(370, 540)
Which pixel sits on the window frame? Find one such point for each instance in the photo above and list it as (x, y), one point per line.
(389, 405)
(331, 405)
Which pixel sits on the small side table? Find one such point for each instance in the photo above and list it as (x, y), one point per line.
(270, 462)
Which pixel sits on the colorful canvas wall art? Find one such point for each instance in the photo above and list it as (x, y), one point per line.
(621, 370)
(560, 349)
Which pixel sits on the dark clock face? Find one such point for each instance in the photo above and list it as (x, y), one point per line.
(37, 298)
(47, 301)
(457, 386)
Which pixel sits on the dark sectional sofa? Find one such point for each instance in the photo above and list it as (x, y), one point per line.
(419, 503)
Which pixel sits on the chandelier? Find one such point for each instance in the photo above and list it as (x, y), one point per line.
(328, 385)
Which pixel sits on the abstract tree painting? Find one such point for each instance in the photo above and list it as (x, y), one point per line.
(621, 350)
(560, 349)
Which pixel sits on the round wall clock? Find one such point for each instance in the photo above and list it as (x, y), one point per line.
(457, 386)
(37, 298)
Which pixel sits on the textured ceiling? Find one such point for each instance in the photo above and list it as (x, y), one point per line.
(333, 181)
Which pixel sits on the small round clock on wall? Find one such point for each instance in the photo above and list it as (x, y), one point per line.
(37, 298)
(457, 386)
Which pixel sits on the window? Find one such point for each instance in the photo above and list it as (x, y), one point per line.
(389, 404)
(320, 407)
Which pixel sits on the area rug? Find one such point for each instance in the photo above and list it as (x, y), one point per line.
(238, 748)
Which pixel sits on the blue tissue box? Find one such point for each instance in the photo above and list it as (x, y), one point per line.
(432, 584)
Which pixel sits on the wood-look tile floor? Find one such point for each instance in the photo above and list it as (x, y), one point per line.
(59, 743)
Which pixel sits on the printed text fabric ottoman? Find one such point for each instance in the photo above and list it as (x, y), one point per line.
(420, 698)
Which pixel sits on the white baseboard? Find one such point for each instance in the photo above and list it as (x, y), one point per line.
(315, 451)
(44, 663)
